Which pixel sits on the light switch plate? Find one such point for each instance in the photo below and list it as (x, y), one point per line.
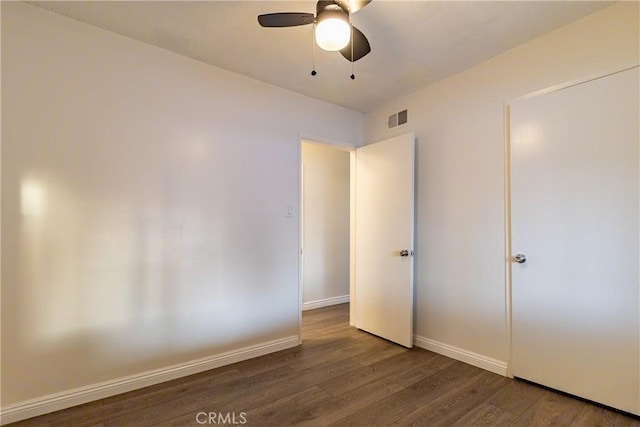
(288, 211)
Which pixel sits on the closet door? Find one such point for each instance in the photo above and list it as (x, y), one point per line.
(575, 239)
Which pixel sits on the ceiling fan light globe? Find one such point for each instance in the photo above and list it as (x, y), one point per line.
(333, 34)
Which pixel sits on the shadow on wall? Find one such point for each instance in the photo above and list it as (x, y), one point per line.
(98, 289)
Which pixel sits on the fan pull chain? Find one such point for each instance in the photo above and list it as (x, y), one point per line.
(353, 76)
(313, 71)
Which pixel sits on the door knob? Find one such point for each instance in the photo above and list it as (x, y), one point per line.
(520, 258)
(405, 252)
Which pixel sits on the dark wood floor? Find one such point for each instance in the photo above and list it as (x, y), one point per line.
(341, 377)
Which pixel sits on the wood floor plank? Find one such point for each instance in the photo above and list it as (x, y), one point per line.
(327, 330)
(486, 415)
(453, 405)
(354, 350)
(290, 386)
(395, 406)
(597, 416)
(355, 400)
(270, 361)
(369, 358)
(293, 409)
(433, 363)
(551, 409)
(344, 352)
(184, 420)
(516, 397)
(366, 374)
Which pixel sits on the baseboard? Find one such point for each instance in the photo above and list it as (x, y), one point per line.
(493, 365)
(325, 302)
(55, 402)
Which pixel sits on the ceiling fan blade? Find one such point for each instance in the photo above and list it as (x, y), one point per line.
(361, 46)
(353, 6)
(286, 19)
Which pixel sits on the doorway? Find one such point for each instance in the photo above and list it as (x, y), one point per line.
(383, 302)
(325, 214)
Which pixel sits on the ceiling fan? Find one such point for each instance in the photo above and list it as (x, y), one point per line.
(333, 28)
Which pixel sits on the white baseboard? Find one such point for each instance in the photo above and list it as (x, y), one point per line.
(66, 399)
(325, 302)
(493, 365)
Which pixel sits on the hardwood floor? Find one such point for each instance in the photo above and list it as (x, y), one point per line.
(340, 377)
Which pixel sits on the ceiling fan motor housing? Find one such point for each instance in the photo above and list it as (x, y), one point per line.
(331, 9)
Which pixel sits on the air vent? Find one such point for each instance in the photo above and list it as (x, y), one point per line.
(403, 117)
(397, 119)
(392, 121)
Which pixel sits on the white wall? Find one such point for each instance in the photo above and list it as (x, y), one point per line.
(325, 223)
(143, 205)
(458, 122)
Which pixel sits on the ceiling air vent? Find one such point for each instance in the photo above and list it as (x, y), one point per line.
(397, 119)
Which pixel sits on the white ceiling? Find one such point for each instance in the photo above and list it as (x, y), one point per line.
(413, 43)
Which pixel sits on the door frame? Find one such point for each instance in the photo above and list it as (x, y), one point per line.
(351, 148)
(507, 194)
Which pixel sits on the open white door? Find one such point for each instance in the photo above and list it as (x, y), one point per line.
(575, 215)
(384, 239)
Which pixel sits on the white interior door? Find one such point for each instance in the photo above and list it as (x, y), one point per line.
(575, 215)
(384, 229)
